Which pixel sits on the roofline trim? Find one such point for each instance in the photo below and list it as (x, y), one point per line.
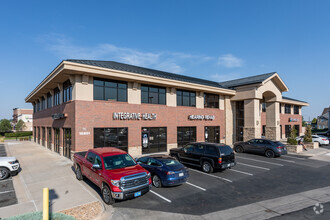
(286, 89)
(288, 101)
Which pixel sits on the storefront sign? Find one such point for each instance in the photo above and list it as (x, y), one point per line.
(134, 116)
(58, 116)
(293, 119)
(84, 133)
(201, 117)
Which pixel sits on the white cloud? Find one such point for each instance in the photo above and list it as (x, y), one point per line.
(229, 61)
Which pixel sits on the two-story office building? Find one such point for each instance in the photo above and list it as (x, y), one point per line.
(85, 104)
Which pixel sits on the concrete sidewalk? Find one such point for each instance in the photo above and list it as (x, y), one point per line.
(322, 153)
(42, 168)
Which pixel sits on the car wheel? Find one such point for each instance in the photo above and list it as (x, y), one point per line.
(79, 175)
(156, 181)
(4, 173)
(106, 195)
(269, 154)
(207, 167)
(239, 149)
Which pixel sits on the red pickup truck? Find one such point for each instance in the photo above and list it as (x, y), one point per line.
(114, 171)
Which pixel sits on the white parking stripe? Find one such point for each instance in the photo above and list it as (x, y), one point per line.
(277, 164)
(212, 175)
(198, 187)
(253, 166)
(238, 171)
(160, 196)
(7, 191)
(298, 158)
(289, 161)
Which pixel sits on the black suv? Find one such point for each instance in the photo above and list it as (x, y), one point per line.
(209, 156)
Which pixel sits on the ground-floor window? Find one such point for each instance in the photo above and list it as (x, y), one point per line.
(154, 140)
(67, 142)
(35, 134)
(212, 134)
(111, 137)
(297, 127)
(38, 135)
(43, 136)
(281, 131)
(57, 140)
(287, 131)
(186, 135)
(49, 138)
(263, 131)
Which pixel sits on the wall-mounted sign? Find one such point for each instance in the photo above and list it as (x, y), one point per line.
(57, 116)
(84, 133)
(134, 116)
(201, 117)
(293, 119)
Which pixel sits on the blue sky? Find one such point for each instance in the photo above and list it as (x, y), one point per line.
(216, 40)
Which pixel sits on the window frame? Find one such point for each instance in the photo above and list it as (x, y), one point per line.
(56, 97)
(148, 94)
(49, 100)
(287, 109)
(191, 96)
(183, 142)
(67, 91)
(207, 103)
(106, 87)
(296, 109)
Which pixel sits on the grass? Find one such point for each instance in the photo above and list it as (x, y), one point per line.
(14, 138)
(38, 215)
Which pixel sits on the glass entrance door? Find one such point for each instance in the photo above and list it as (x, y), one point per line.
(67, 142)
(57, 140)
(212, 134)
(154, 140)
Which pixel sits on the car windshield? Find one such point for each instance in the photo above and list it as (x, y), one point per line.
(169, 162)
(118, 161)
(226, 150)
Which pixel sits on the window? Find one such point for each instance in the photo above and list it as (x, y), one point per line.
(153, 95)
(296, 110)
(143, 160)
(34, 107)
(56, 99)
(189, 148)
(186, 135)
(185, 98)
(43, 104)
(297, 127)
(109, 89)
(118, 161)
(49, 100)
(212, 134)
(211, 150)
(91, 157)
(287, 131)
(155, 139)
(111, 137)
(280, 108)
(67, 91)
(263, 107)
(263, 131)
(199, 149)
(98, 160)
(211, 101)
(287, 109)
(153, 162)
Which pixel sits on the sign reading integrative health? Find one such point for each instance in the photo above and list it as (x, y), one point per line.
(134, 116)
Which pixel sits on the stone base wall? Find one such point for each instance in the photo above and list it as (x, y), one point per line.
(170, 146)
(249, 133)
(135, 151)
(273, 133)
(294, 148)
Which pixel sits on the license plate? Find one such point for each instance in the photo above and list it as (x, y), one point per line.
(137, 194)
(232, 164)
(180, 174)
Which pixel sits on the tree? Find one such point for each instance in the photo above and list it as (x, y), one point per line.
(5, 125)
(20, 125)
(303, 122)
(292, 138)
(314, 120)
(308, 134)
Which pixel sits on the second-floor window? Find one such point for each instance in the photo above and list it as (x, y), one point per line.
(67, 91)
(108, 89)
(296, 110)
(38, 106)
(56, 99)
(185, 98)
(211, 101)
(43, 103)
(287, 109)
(153, 95)
(263, 107)
(49, 100)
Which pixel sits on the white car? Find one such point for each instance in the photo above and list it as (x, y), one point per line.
(316, 138)
(8, 166)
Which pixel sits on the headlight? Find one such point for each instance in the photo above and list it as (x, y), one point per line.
(115, 182)
(148, 175)
(12, 162)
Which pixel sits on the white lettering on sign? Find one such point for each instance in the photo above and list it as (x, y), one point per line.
(134, 116)
(84, 133)
(201, 117)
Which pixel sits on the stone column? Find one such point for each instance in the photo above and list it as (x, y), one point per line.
(273, 121)
(82, 88)
(221, 102)
(228, 107)
(199, 99)
(170, 97)
(251, 119)
(133, 93)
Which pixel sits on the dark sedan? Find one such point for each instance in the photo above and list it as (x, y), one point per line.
(165, 170)
(265, 147)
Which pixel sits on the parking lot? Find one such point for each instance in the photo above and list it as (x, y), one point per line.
(254, 178)
(7, 192)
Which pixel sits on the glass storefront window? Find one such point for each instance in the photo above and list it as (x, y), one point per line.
(186, 135)
(154, 139)
(111, 137)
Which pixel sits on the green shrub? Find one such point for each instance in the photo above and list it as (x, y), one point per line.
(292, 138)
(38, 216)
(19, 134)
(308, 134)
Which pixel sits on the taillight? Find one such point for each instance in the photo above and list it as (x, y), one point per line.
(220, 160)
(279, 148)
(170, 173)
(324, 139)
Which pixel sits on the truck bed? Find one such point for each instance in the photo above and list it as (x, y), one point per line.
(80, 154)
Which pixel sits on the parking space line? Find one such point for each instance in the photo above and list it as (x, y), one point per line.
(298, 158)
(238, 171)
(5, 180)
(281, 165)
(198, 187)
(253, 166)
(289, 161)
(160, 196)
(7, 191)
(212, 175)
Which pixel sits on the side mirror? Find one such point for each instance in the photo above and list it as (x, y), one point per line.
(96, 167)
(185, 150)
